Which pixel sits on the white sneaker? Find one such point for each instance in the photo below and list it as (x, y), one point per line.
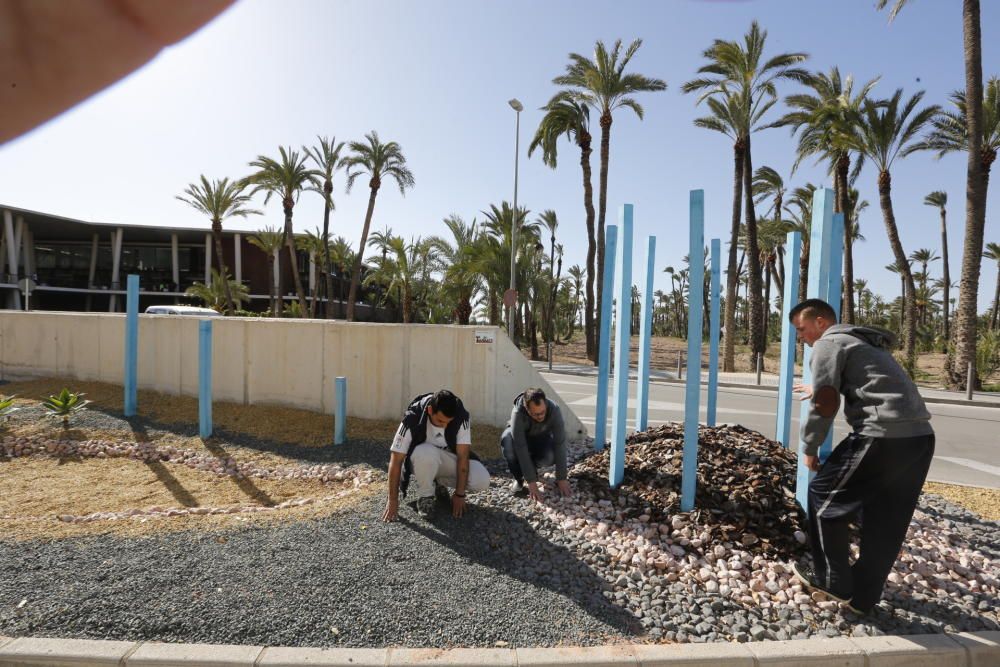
(518, 488)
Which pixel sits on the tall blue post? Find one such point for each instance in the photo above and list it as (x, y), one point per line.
(340, 410)
(822, 246)
(713, 334)
(692, 391)
(833, 289)
(131, 343)
(645, 331)
(604, 346)
(623, 336)
(786, 376)
(205, 378)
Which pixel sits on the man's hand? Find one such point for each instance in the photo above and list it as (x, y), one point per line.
(457, 506)
(565, 489)
(535, 493)
(805, 389)
(811, 462)
(391, 510)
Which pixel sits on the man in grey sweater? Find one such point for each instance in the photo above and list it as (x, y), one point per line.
(535, 437)
(876, 473)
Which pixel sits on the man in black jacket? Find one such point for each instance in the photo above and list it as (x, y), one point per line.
(434, 445)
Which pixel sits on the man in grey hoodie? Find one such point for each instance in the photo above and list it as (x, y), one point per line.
(535, 436)
(876, 473)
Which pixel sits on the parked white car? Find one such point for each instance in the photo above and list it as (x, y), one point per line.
(191, 311)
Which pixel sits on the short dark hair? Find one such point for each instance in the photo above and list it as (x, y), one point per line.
(813, 308)
(534, 395)
(445, 402)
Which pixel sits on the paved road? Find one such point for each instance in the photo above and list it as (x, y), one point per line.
(968, 438)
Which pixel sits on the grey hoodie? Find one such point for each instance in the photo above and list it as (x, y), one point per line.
(880, 399)
(522, 427)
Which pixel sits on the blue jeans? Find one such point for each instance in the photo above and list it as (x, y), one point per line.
(542, 450)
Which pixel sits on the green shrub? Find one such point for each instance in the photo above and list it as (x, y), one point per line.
(64, 405)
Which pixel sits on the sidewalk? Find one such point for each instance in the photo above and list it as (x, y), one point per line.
(769, 381)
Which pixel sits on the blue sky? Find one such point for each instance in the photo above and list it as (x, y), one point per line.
(435, 76)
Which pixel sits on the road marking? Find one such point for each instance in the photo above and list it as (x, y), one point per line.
(969, 463)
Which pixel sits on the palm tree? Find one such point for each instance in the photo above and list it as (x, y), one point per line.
(270, 242)
(286, 178)
(576, 277)
(401, 270)
(977, 174)
(887, 130)
(341, 258)
(602, 83)
(768, 184)
(939, 199)
(550, 221)
(993, 252)
(799, 208)
(826, 121)
(923, 257)
(328, 160)
(378, 161)
(219, 200)
(852, 215)
(457, 264)
(220, 293)
(740, 69)
(312, 244)
(567, 116)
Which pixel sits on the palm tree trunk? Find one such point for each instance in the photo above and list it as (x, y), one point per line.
(407, 303)
(328, 309)
(753, 258)
(946, 279)
(602, 206)
(975, 201)
(588, 205)
(356, 271)
(293, 259)
(996, 303)
(732, 275)
(223, 271)
(842, 204)
(909, 301)
(767, 302)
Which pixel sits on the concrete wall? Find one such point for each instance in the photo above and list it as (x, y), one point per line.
(286, 362)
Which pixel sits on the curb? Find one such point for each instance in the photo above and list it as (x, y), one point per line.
(967, 649)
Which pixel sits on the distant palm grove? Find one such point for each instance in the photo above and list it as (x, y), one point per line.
(459, 275)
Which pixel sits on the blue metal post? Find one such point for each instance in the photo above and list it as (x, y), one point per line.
(833, 290)
(645, 331)
(786, 376)
(205, 378)
(340, 410)
(131, 343)
(623, 336)
(692, 392)
(713, 334)
(604, 347)
(821, 244)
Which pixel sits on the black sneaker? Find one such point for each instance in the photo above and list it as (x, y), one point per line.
(518, 488)
(807, 577)
(441, 493)
(425, 507)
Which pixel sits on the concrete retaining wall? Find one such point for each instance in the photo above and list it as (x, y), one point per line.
(285, 362)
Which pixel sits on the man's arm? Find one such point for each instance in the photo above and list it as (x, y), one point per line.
(392, 504)
(461, 479)
(827, 366)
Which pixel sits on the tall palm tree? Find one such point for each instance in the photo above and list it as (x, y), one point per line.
(923, 257)
(567, 116)
(286, 178)
(993, 252)
(768, 184)
(326, 156)
(826, 121)
(219, 200)
(270, 241)
(457, 264)
(852, 215)
(939, 199)
(576, 278)
(799, 208)
(602, 83)
(550, 221)
(312, 244)
(341, 258)
(975, 188)
(740, 68)
(889, 129)
(378, 161)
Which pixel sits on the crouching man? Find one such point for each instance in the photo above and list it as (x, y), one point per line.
(433, 444)
(535, 437)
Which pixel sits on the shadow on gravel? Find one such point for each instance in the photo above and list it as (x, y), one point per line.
(510, 545)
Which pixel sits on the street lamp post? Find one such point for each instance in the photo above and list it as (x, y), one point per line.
(518, 108)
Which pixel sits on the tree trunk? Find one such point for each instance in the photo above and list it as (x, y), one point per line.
(996, 303)
(946, 279)
(753, 258)
(767, 301)
(328, 275)
(909, 301)
(223, 271)
(356, 271)
(841, 205)
(292, 257)
(975, 201)
(732, 275)
(407, 303)
(589, 321)
(602, 206)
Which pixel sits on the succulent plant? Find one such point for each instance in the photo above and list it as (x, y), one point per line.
(64, 405)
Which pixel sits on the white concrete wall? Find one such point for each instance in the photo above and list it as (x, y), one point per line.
(286, 362)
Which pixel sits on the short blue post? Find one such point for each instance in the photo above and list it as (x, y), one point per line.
(340, 410)
(692, 392)
(131, 343)
(713, 334)
(821, 247)
(645, 331)
(205, 378)
(786, 377)
(623, 336)
(604, 349)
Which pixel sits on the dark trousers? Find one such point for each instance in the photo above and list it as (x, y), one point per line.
(880, 479)
(542, 451)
